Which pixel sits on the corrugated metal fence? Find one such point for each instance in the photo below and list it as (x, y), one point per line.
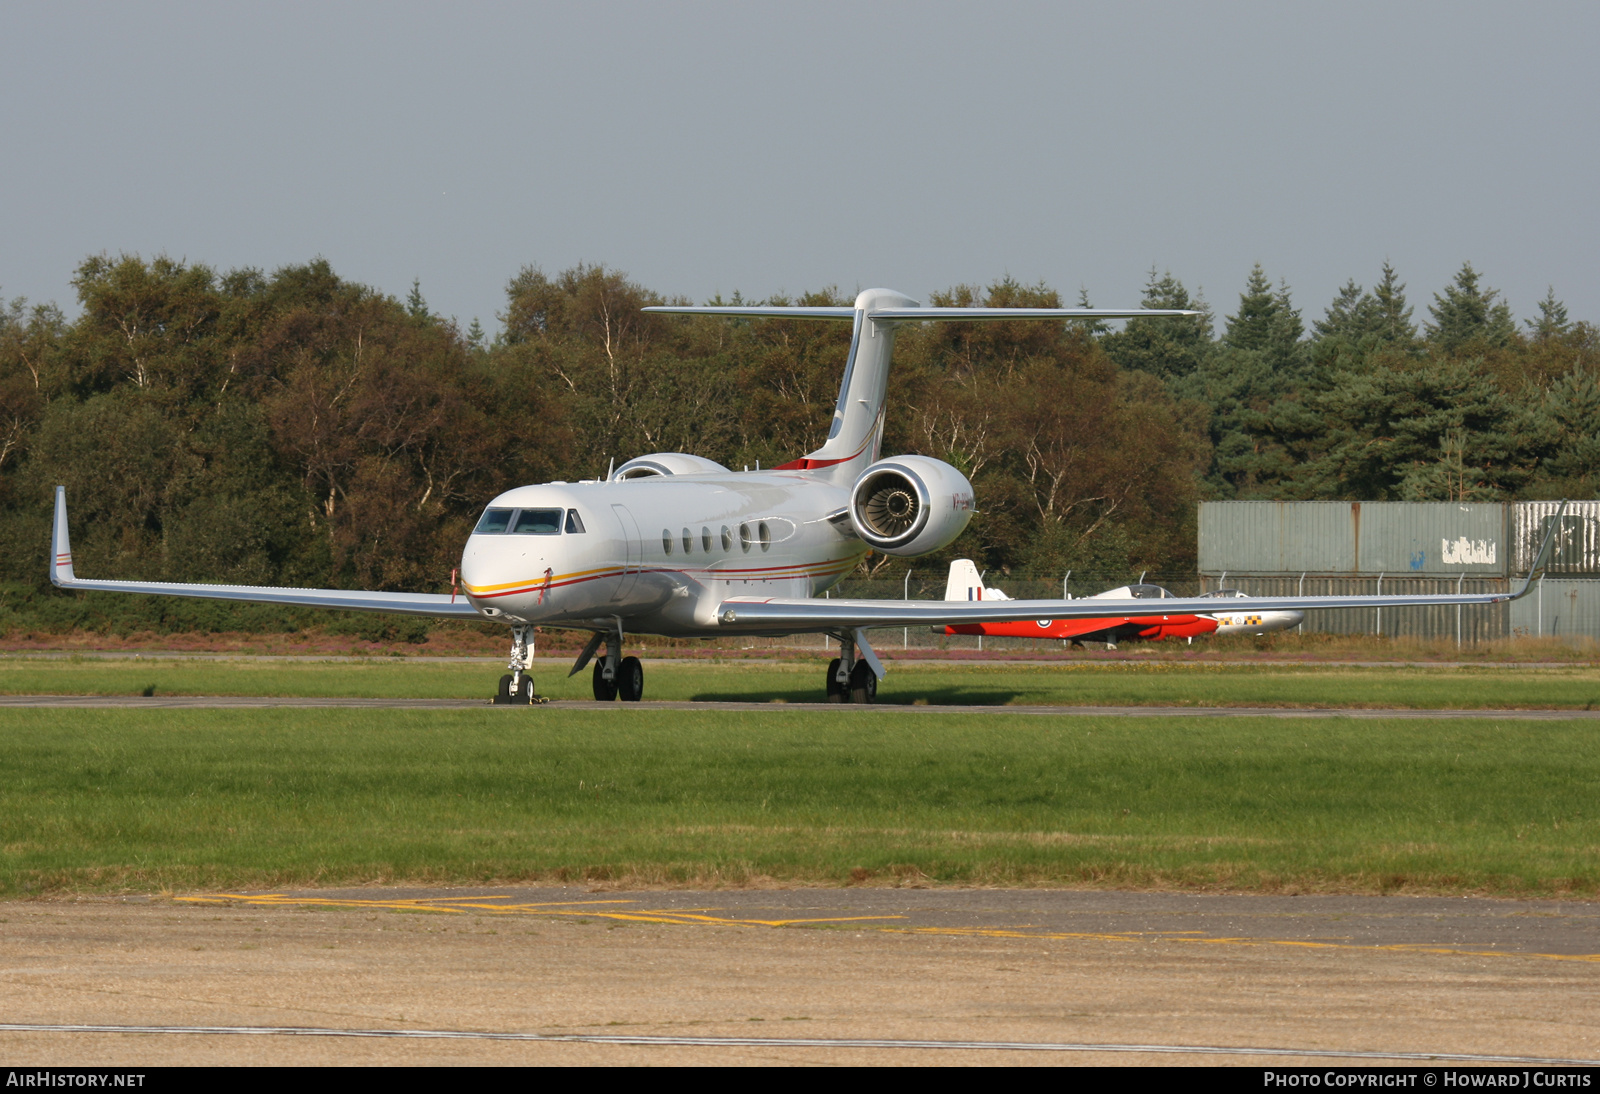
(1348, 548)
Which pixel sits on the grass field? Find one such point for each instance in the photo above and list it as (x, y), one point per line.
(1114, 684)
(182, 799)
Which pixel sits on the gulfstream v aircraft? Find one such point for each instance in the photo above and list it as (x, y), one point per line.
(677, 545)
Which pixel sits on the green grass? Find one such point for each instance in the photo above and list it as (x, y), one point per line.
(181, 799)
(1116, 684)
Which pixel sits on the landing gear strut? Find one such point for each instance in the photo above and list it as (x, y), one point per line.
(614, 674)
(516, 687)
(851, 680)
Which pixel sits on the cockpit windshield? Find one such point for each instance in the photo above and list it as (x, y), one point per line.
(537, 522)
(1147, 592)
(1224, 594)
(493, 521)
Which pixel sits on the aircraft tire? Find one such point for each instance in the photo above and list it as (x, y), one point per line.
(630, 680)
(604, 691)
(524, 696)
(836, 693)
(863, 684)
(502, 695)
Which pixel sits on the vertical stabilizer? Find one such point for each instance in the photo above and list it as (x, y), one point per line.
(965, 582)
(60, 546)
(857, 429)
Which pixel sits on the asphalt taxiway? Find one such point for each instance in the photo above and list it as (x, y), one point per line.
(576, 974)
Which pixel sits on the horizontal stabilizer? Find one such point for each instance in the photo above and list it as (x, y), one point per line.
(924, 315)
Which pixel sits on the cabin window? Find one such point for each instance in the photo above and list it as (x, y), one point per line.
(727, 539)
(538, 522)
(574, 523)
(744, 537)
(765, 534)
(688, 541)
(666, 541)
(705, 539)
(493, 522)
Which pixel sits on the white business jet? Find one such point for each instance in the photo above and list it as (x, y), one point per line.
(676, 545)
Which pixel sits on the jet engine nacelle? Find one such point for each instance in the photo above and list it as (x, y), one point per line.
(910, 505)
(665, 463)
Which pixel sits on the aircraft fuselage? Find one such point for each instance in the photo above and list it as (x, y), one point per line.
(659, 553)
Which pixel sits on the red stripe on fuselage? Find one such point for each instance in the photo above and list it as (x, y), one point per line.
(1176, 626)
(817, 569)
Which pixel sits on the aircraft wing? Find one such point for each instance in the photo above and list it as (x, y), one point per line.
(786, 616)
(780, 615)
(430, 604)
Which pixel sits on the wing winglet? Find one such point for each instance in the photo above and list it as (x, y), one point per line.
(1540, 560)
(60, 546)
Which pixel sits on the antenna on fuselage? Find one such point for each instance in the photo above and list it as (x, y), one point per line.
(609, 465)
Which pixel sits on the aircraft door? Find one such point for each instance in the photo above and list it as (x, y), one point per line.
(633, 550)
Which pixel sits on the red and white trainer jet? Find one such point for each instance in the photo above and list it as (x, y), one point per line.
(676, 545)
(1154, 622)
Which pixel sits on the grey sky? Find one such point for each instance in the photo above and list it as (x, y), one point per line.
(772, 148)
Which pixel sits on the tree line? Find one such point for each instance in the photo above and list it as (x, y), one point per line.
(296, 428)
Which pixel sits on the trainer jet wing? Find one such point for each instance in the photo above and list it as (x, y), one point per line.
(432, 604)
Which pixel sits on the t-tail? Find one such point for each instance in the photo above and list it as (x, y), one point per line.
(856, 433)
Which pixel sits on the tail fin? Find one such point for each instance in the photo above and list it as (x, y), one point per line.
(60, 547)
(856, 434)
(965, 582)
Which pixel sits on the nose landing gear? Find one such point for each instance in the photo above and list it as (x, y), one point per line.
(516, 686)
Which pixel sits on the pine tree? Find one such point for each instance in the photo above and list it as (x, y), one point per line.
(1467, 313)
(1267, 323)
(1094, 328)
(1552, 323)
(1349, 318)
(1392, 315)
(416, 306)
(1169, 348)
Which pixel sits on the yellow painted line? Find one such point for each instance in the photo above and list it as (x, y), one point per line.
(1178, 936)
(539, 580)
(597, 909)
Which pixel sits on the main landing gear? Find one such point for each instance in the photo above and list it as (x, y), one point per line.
(851, 680)
(614, 675)
(516, 686)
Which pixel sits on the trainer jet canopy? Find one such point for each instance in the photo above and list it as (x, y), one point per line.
(677, 545)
